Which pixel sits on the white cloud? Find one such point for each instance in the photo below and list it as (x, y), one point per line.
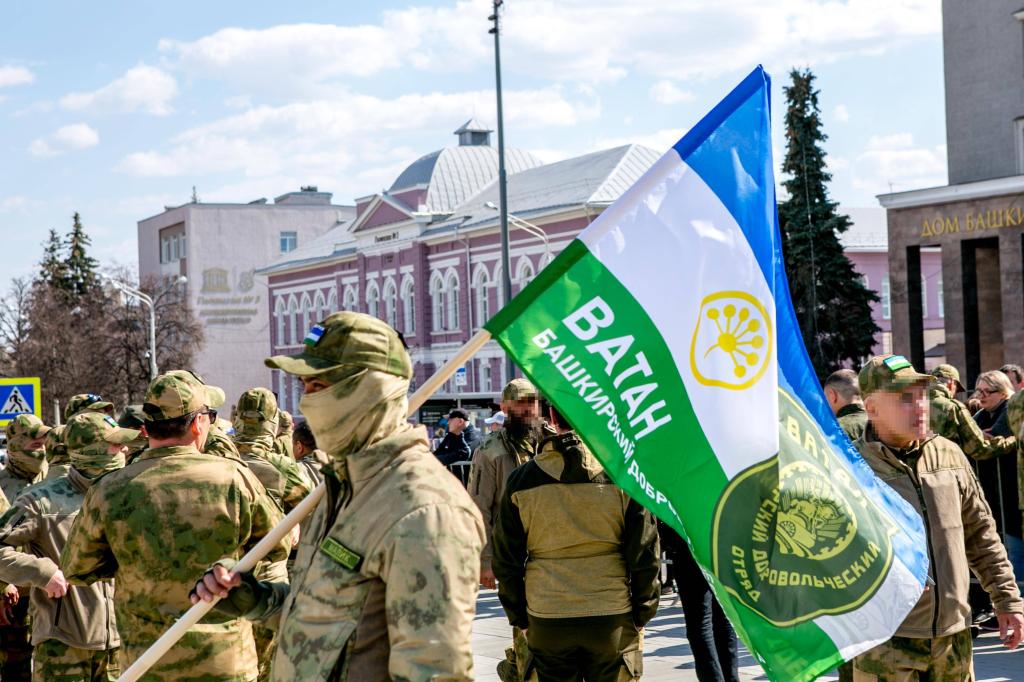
(141, 88)
(65, 139)
(328, 137)
(841, 113)
(17, 203)
(667, 92)
(659, 140)
(893, 141)
(578, 41)
(15, 75)
(900, 166)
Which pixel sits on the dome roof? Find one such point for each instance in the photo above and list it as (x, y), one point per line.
(454, 174)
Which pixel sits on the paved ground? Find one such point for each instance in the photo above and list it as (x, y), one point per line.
(667, 654)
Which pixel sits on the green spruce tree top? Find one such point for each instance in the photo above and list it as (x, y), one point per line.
(832, 304)
(52, 271)
(80, 269)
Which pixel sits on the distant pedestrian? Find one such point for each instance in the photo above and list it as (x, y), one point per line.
(1016, 375)
(453, 447)
(495, 422)
(843, 397)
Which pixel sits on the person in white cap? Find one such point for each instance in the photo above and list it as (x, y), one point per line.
(496, 421)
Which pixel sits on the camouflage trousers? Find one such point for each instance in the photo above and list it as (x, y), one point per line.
(55, 661)
(266, 645)
(15, 646)
(906, 659)
(517, 658)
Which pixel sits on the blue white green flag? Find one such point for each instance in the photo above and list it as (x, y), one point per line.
(666, 335)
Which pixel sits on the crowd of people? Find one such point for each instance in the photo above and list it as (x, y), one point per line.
(113, 527)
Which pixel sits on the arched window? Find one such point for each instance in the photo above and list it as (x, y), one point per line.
(319, 306)
(436, 302)
(348, 301)
(293, 314)
(391, 303)
(280, 311)
(408, 306)
(524, 274)
(373, 299)
(451, 302)
(499, 287)
(332, 303)
(307, 313)
(481, 295)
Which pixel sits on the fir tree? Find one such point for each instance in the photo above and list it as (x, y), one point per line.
(80, 268)
(832, 304)
(52, 270)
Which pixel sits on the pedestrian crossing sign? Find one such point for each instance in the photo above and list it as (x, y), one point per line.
(19, 396)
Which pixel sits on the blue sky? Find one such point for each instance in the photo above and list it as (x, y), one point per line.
(116, 109)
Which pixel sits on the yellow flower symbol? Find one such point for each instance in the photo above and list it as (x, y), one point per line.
(735, 333)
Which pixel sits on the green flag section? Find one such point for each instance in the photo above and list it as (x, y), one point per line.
(665, 335)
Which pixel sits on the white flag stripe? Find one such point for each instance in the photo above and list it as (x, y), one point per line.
(675, 248)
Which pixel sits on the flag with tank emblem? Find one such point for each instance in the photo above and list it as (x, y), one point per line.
(666, 335)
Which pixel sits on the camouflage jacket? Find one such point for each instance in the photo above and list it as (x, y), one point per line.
(313, 465)
(282, 476)
(1015, 419)
(937, 480)
(39, 522)
(493, 461)
(14, 480)
(385, 583)
(157, 525)
(852, 419)
(951, 419)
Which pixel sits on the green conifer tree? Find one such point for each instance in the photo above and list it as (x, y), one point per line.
(832, 304)
(52, 270)
(80, 277)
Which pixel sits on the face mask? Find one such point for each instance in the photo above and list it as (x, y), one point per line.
(361, 407)
(30, 461)
(95, 464)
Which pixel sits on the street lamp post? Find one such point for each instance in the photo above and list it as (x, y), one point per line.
(146, 300)
(506, 281)
(525, 225)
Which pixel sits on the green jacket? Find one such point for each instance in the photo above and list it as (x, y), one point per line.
(853, 419)
(156, 526)
(569, 543)
(937, 480)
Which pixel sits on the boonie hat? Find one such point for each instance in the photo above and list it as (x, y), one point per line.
(949, 373)
(178, 393)
(347, 339)
(889, 373)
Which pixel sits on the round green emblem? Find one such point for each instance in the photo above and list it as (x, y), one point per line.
(794, 537)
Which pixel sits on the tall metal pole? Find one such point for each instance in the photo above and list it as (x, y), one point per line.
(506, 261)
(152, 337)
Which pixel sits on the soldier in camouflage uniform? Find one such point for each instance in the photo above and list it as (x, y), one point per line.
(256, 427)
(159, 522)
(385, 583)
(87, 401)
(26, 464)
(57, 461)
(951, 419)
(74, 632)
(931, 473)
(285, 428)
(843, 395)
(307, 454)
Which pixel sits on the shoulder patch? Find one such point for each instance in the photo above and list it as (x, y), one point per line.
(342, 554)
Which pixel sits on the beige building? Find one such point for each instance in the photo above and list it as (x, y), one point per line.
(218, 247)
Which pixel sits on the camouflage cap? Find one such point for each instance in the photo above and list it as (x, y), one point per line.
(257, 413)
(519, 389)
(23, 429)
(949, 373)
(54, 443)
(889, 373)
(177, 393)
(86, 430)
(85, 401)
(347, 339)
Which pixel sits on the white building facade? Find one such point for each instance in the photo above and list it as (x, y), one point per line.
(218, 247)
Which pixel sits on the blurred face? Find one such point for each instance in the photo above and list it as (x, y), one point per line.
(899, 418)
(36, 443)
(456, 424)
(989, 396)
(115, 449)
(522, 410)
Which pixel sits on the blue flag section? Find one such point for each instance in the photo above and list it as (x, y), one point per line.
(19, 396)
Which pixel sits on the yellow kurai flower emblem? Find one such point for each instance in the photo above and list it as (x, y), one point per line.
(732, 342)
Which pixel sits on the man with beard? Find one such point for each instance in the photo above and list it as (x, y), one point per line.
(500, 453)
(385, 581)
(26, 464)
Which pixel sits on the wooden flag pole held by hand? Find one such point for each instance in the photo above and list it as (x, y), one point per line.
(281, 530)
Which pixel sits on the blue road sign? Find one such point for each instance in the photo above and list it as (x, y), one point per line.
(19, 395)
